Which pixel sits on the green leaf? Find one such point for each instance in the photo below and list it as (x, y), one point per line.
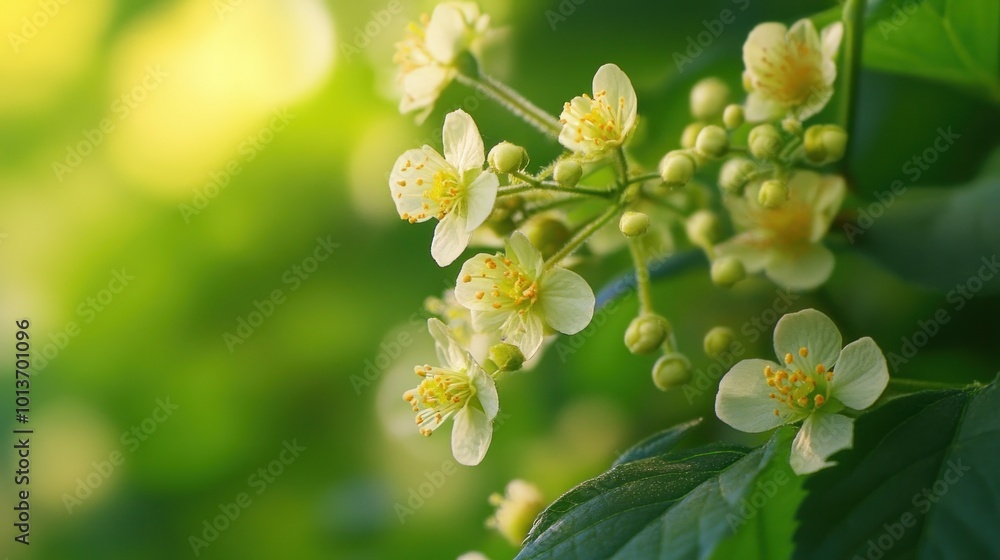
(941, 238)
(657, 444)
(919, 482)
(953, 41)
(678, 505)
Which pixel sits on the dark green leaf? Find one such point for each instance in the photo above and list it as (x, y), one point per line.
(679, 505)
(920, 481)
(657, 444)
(941, 238)
(954, 41)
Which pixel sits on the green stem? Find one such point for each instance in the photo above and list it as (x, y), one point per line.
(514, 102)
(582, 235)
(553, 187)
(641, 276)
(642, 178)
(853, 17)
(622, 164)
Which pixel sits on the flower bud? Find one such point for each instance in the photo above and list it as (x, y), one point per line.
(712, 141)
(825, 143)
(727, 271)
(764, 141)
(547, 234)
(567, 173)
(732, 116)
(507, 357)
(735, 173)
(633, 224)
(690, 134)
(773, 193)
(506, 157)
(703, 228)
(708, 98)
(718, 340)
(516, 510)
(677, 168)
(646, 333)
(792, 125)
(671, 371)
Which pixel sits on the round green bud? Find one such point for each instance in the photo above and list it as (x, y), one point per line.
(708, 98)
(677, 168)
(718, 340)
(671, 371)
(646, 333)
(732, 116)
(507, 357)
(727, 271)
(735, 173)
(547, 234)
(690, 134)
(712, 141)
(703, 228)
(773, 193)
(764, 141)
(633, 224)
(825, 143)
(506, 157)
(567, 173)
(792, 125)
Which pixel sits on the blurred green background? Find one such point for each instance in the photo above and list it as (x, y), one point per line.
(209, 150)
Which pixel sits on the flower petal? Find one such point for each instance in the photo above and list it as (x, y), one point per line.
(422, 86)
(475, 277)
(821, 435)
(766, 39)
(406, 193)
(479, 199)
(489, 320)
(446, 32)
(463, 145)
(804, 270)
(527, 257)
(471, 435)
(827, 202)
(808, 329)
(524, 331)
(831, 37)
(449, 351)
(611, 79)
(486, 392)
(566, 300)
(743, 402)
(759, 108)
(817, 99)
(450, 239)
(860, 375)
(750, 247)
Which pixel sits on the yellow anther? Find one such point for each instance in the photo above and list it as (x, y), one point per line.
(803, 401)
(820, 369)
(467, 278)
(768, 372)
(819, 400)
(803, 351)
(479, 295)
(788, 358)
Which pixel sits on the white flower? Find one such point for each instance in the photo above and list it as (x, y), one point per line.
(454, 188)
(785, 241)
(593, 125)
(518, 296)
(426, 56)
(789, 71)
(812, 380)
(461, 390)
(516, 510)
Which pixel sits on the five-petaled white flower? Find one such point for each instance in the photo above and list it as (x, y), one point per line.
(460, 390)
(454, 188)
(812, 380)
(785, 241)
(515, 294)
(426, 56)
(593, 125)
(789, 71)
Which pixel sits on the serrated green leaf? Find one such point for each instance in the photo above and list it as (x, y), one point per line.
(657, 444)
(954, 41)
(940, 238)
(678, 506)
(920, 482)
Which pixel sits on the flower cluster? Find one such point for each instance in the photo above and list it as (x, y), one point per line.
(536, 225)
